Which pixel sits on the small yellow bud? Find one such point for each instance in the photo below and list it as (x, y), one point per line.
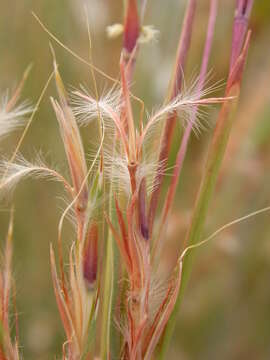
(148, 33)
(115, 30)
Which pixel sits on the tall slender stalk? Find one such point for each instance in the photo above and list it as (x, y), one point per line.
(209, 179)
(184, 143)
(175, 87)
(131, 34)
(108, 291)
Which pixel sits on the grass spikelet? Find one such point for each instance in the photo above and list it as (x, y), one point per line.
(74, 152)
(131, 26)
(20, 169)
(13, 113)
(86, 108)
(185, 106)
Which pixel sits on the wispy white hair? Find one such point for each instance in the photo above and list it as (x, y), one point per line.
(86, 108)
(13, 119)
(11, 173)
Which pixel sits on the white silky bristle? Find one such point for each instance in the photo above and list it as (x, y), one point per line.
(86, 108)
(12, 173)
(188, 108)
(13, 119)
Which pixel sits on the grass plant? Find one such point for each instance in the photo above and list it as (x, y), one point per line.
(106, 296)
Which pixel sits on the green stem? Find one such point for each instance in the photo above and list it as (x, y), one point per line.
(208, 183)
(107, 299)
(209, 180)
(108, 282)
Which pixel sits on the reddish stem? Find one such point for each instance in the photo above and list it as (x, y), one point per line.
(124, 233)
(177, 78)
(183, 148)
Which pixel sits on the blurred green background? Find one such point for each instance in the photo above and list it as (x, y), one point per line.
(226, 312)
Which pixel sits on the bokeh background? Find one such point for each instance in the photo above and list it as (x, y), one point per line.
(226, 311)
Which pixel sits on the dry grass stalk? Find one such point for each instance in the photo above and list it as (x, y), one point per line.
(9, 349)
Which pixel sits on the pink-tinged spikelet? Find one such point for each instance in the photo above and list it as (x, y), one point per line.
(143, 221)
(131, 27)
(242, 14)
(90, 256)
